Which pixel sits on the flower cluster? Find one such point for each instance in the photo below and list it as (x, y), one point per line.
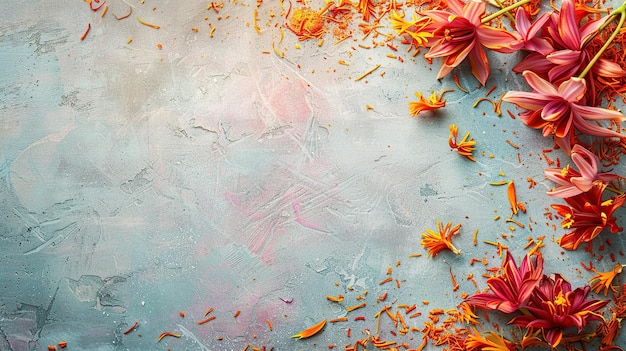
(586, 212)
(574, 68)
(563, 68)
(539, 302)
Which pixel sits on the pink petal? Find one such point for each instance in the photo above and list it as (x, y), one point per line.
(539, 45)
(559, 73)
(597, 113)
(534, 62)
(565, 57)
(479, 64)
(529, 101)
(497, 39)
(564, 192)
(585, 161)
(443, 48)
(438, 16)
(565, 143)
(539, 84)
(473, 11)
(606, 68)
(458, 57)
(456, 6)
(554, 174)
(588, 30)
(573, 89)
(568, 28)
(584, 184)
(593, 129)
(563, 126)
(555, 111)
(522, 23)
(539, 23)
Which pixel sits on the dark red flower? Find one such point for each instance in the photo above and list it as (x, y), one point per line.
(554, 306)
(511, 289)
(588, 215)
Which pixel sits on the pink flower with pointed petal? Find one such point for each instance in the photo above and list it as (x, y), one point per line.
(588, 215)
(461, 34)
(529, 32)
(570, 54)
(554, 306)
(512, 289)
(572, 182)
(560, 110)
(573, 57)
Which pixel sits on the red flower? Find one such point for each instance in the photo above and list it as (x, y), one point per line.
(588, 215)
(512, 289)
(573, 182)
(554, 306)
(461, 34)
(560, 110)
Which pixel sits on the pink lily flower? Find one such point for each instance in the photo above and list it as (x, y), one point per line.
(573, 58)
(554, 306)
(569, 56)
(561, 110)
(461, 34)
(529, 32)
(512, 289)
(588, 215)
(572, 182)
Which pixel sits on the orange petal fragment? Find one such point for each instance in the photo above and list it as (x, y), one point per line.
(604, 279)
(307, 333)
(464, 147)
(512, 196)
(436, 241)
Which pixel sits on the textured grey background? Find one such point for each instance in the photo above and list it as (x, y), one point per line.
(138, 182)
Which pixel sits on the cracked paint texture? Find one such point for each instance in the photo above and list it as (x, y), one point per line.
(136, 182)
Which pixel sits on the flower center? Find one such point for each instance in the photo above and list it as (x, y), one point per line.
(567, 221)
(606, 203)
(560, 300)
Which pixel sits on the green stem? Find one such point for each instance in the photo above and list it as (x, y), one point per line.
(508, 14)
(622, 12)
(504, 10)
(615, 190)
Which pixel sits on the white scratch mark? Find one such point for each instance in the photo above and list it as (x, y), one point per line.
(186, 332)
